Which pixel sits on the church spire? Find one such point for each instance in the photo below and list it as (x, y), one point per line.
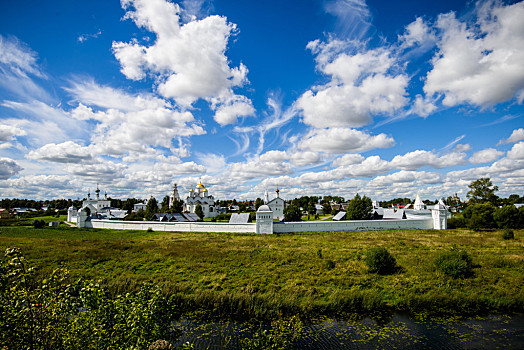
(97, 192)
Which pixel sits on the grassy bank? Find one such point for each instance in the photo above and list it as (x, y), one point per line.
(245, 275)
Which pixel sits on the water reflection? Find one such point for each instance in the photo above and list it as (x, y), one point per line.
(400, 332)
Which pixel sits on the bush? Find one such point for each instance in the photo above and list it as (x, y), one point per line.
(380, 261)
(508, 234)
(479, 216)
(52, 313)
(149, 229)
(507, 217)
(38, 223)
(330, 264)
(456, 222)
(455, 263)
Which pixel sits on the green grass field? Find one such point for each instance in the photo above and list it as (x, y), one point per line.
(245, 275)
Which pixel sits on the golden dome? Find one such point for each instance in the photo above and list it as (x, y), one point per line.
(191, 190)
(200, 186)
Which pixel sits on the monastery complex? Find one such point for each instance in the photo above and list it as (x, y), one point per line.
(98, 213)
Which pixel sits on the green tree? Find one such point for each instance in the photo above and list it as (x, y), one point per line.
(165, 205)
(258, 203)
(326, 208)
(507, 217)
(199, 211)
(479, 216)
(311, 209)
(359, 208)
(242, 208)
(151, 208)
(292, 213)
(178, 206)
(482, 191)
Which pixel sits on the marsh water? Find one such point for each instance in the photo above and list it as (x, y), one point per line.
(399, 332)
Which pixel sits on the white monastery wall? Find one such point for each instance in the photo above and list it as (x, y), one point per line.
(357, 225)
(173, 226)
(284, 227)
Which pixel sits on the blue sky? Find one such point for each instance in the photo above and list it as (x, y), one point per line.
(387, 99)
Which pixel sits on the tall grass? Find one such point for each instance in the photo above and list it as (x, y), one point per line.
(245, 275)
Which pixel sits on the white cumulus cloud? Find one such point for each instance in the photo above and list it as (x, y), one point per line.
(517, 152)
(362, 84)
(480, 63)
(516, 136)
(187, 61)
(66, 152)
(487, 155)
(343, 140)
(8, 168)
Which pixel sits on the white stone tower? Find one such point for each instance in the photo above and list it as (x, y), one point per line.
(440, 217)
(264, 220)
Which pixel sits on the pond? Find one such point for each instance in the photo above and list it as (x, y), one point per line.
(399, 332)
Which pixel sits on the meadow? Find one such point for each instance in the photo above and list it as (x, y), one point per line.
(261, 276)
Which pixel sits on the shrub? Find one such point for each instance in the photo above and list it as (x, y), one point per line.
(38, 223)
(508, 234)
(380, 261)
(330, 264)
(456, 222)
(455, 263)
(52, 313)
(479, 216)
(507, 217)
(149, 229)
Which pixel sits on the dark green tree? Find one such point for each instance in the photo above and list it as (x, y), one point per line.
(151, 208)
(311, 209)
(292, 213)
(177, 207)
(199, 211)
(507, 217)
(258, 203)
(480, 216)
(242, 208)
(359, 208)
(326, 208)
(482, 191)
(164, 207)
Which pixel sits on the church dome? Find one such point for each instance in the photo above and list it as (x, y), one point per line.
(264, 208)
(200, 186)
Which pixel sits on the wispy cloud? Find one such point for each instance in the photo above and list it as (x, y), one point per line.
(84, 37)
(452, 144)
(503, 119)
(353, 18)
